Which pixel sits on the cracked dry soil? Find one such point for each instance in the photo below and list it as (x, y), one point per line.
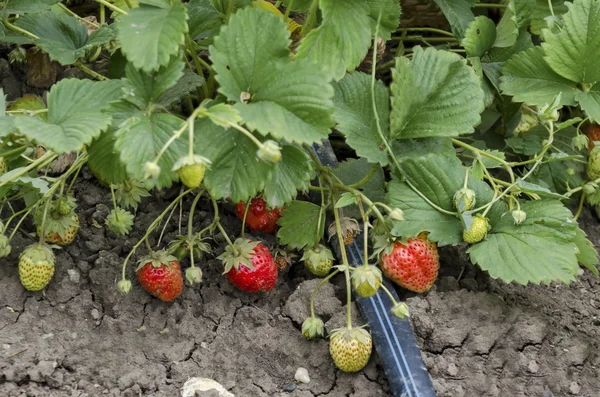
(82, 338)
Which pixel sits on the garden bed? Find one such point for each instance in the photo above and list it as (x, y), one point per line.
(81, 337)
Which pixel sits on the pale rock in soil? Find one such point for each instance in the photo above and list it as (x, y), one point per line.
(302, 375)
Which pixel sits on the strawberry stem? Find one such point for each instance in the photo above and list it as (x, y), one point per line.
(43, 225)
(365, 234)
(387, 291)
(338, 227)
(223, 232)
(244, 219)
(151, 228)
(314, 293)
(191, 217)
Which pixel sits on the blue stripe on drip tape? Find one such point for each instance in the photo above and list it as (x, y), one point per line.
(393, 338)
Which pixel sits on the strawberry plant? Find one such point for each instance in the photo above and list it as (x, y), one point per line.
(481, 136)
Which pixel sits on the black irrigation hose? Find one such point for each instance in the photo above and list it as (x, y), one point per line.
(393, 338)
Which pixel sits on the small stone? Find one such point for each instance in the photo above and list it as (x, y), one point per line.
(533, 367)
(290, 387)
(95, 314)
(574, 388)
(302, 375)
(74, 276)
(452, 369)
(580, 272)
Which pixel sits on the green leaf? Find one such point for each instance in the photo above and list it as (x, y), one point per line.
(590, 102)
(479, 36)
(150, 35)
(497, 54)
(345, 200)
(104, 159)
(434, 94)
(587, 255)
(144, 88)
(507, 30)
(289, 100)
(458, 13)
(300, 226)
(204, 21)
(545, 235)
(235, 172)
(354, 170)
(75, 114)
(20, 7)
(342, 40)
(355, 117)
(248, 51)
(295, 105)
(390, 16)
(491, 163)
(523, 11)
(188, 83)
(222, 115)
(140, 138)
(574, 52)
(528, 145)
(437, 178)
(63, 37)
(542, 11)
(529, 187)
(292, 174)
(529, 79)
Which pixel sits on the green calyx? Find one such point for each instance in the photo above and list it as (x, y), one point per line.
(129, 193)
(240, 256)
(313, 327)
(400, 310)
(318, 260)
(38, 253)
(182, 245)
(157, 259)
(56, 222)
(360, 334)
(120, 221)
(366, 280)
(64, 205)
(124, 286)
(193, 275)
(464, 199)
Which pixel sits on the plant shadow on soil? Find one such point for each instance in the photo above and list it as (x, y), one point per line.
(83, 338)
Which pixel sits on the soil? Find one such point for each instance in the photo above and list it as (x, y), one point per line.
(83, 338)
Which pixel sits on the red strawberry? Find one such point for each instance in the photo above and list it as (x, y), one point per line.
(259, 217)
(413, 266)
(593, 133)
(160, 274)
(250, 266)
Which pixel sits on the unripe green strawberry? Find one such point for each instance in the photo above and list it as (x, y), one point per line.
(313, 327)
(36, 266)
(4, 246)
(3, 166)
(350, 348)
(519, 216)
(191, 170)
(193, 275)
(366, 280)
(478, 230)
(464, 199)
(124, 286)
(593, 168)
(318, 260)
(64, 205)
